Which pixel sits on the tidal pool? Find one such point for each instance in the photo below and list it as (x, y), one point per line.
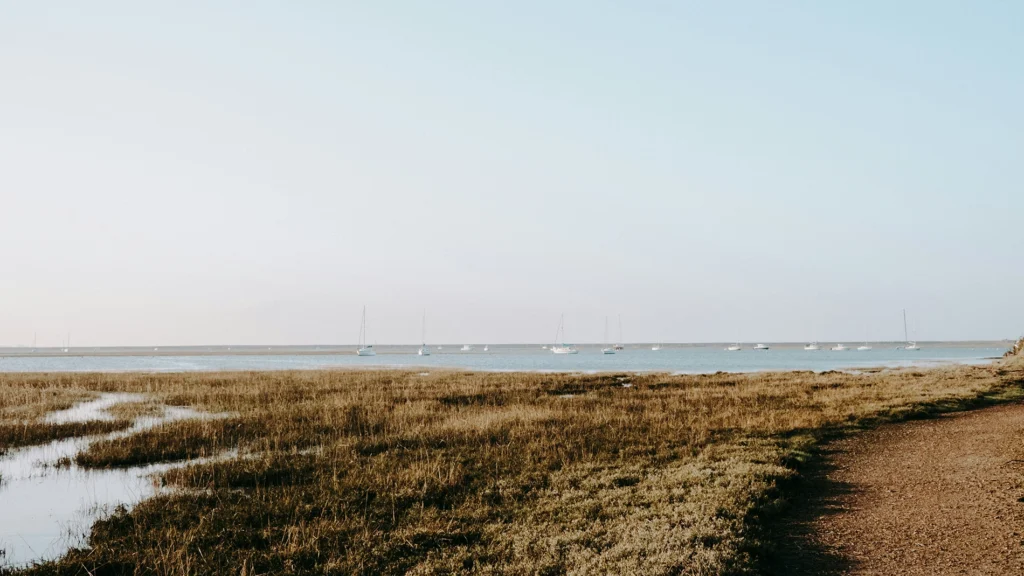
(48, 506)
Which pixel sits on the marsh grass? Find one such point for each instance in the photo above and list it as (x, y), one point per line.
(390, 472)
(29, 401)
(31, 433)
(134, 410)
(24, 403)
(1017, 349)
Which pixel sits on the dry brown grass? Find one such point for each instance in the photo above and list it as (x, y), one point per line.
(27, 401)
(32, 433)
(134, 410)
(1017, 349)
(391, 472)
(23, 404)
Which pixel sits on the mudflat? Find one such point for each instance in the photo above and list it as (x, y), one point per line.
(940, 496)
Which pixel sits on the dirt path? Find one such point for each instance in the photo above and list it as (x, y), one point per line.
(942, 496)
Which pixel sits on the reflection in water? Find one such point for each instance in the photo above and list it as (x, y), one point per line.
(49, 505)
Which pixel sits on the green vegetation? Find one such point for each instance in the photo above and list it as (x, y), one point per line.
(389, 472)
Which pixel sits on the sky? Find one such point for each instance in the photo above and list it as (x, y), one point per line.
(214, 172)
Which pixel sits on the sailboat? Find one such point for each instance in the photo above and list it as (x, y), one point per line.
(364, 349)
(839, 348)
(607, 349)
(560, 335)
(656, 347)
(734, 348)
(619, 346)
(424, 351)
(486, 347)
(906, 337)
(865, 346)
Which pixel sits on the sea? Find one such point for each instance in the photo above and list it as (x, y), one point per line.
(673, 358)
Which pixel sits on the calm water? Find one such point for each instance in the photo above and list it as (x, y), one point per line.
(45, 507)
(682, 359)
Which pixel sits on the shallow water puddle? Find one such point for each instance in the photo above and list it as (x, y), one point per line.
(92, 410)
(46, 509)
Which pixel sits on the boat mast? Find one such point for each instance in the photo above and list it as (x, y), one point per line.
(906, 337)
(362, 329)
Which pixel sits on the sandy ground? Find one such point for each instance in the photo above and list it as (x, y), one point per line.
(942, 496)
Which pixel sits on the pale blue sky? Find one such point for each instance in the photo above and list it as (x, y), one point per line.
(255, 172)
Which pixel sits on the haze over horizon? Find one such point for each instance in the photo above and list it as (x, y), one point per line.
(211, 173)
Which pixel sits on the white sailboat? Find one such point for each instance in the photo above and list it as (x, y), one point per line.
(865, 346)
(906, 337)
(734, 348)
(560, 335)
(812, 346)
(486, 347)
(364, 349)
(424, 351)
(619, 346)
(607, 349)
(839, 348)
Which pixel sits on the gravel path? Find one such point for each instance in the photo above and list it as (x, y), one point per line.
(942, 496)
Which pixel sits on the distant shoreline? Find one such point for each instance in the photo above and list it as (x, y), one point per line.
(406, 349)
